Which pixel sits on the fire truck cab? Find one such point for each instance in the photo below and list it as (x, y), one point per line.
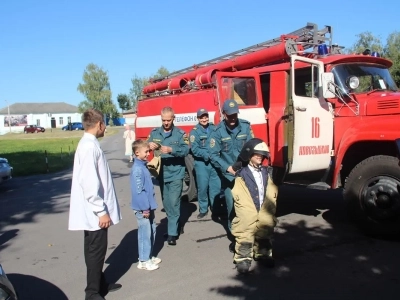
(329, 119)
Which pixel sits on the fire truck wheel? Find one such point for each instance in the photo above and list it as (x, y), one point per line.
(372, 193)
(189, 190)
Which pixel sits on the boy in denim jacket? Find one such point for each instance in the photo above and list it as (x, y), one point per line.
(144, 204)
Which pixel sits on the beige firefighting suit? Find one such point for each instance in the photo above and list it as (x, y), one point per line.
(253, 230)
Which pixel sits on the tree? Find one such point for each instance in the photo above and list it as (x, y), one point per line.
(138, 83)
(136, 89)
(96, 89)
(392, 52)
(366, 40)
(161, 73)
(124, 102)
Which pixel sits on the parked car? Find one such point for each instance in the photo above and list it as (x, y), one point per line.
(33, 129)
(7, 290)
(73, 126)
(5, 170)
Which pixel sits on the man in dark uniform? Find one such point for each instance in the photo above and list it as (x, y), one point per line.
(207, 179)
(225, 144)
(174, 148)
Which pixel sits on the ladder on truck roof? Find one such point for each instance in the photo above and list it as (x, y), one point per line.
(307, 36)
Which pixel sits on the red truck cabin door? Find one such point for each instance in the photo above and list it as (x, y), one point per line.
(313, 118)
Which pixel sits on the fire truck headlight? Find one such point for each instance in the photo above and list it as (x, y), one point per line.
(353, 82)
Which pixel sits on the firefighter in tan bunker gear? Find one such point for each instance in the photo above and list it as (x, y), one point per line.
(254, 196)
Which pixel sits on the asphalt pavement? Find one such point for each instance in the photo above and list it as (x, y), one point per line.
(319, 255)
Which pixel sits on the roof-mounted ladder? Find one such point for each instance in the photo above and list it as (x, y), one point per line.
(308, 37)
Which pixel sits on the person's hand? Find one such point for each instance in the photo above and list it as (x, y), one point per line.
(104, 221)
(231, 170)
(146, 214)
(237, 166)
(153, 146)
(166, 149)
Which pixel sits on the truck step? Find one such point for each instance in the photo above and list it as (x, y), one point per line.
(319, 186)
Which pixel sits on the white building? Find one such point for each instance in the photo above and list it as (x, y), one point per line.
(130, 116)
(47, 115)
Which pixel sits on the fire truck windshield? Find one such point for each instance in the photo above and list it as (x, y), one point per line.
(371, 77)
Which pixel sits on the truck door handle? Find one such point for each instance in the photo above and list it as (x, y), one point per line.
(301, 108)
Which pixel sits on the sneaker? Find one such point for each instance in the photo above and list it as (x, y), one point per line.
(156, 260)
(147, 265)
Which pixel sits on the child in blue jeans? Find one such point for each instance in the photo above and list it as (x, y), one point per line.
(144, 204)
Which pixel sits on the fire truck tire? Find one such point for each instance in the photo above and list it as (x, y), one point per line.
(189, 190)
(372, 194)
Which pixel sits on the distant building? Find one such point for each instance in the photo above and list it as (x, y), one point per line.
(47, 115)
(130, 116)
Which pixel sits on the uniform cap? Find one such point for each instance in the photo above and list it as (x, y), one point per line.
(201, 112)
(230, 107)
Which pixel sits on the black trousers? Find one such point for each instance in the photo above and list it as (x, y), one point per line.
(95, 248)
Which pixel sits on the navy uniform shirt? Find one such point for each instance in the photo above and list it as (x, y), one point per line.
(199, 141)
(225, 145)
(172, 164)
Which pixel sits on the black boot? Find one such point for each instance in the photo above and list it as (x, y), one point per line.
(266, 261)
(264, 254)
(242, 257)
(232, 247)
(243, 266)
(171, 240)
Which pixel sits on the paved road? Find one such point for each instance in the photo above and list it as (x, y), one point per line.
(319, 255)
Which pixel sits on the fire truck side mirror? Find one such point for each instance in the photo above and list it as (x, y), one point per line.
(328, 85)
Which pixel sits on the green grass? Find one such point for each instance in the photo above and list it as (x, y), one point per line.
(27, 153)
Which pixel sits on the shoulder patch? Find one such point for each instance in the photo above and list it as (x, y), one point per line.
(192, 138)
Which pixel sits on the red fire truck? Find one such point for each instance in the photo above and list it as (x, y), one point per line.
(330, 119)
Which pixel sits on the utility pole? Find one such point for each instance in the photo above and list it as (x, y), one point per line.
(9, 118)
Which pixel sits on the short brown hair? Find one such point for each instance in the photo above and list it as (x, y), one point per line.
(168, 109)
(90, 118)
(136, 145)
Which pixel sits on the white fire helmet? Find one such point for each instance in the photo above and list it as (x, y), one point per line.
(252, 146)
